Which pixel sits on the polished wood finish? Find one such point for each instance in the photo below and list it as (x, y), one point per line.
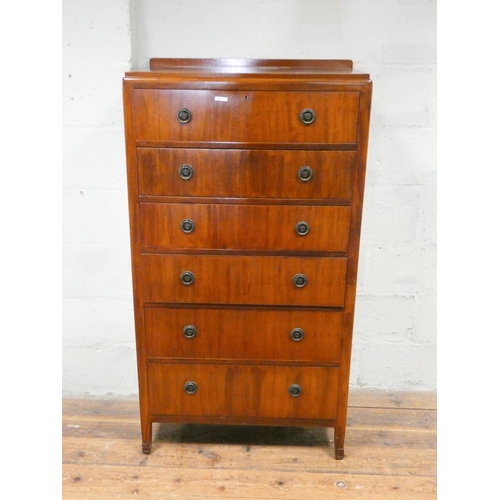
(242, 334)
(252, 65)
(244, 279)
(244, 227)
(243, 390)
(390, 454)
(277, 114)
(248, 173)
(241, 149)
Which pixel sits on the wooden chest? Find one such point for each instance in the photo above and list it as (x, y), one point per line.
(246, 182)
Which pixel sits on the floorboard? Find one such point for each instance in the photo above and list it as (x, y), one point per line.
(390, 453)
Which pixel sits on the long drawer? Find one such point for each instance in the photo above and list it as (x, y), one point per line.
(244, 227)
(244, 279)
(245, 116)
(243, 390)
(238, 334)
(245, 173)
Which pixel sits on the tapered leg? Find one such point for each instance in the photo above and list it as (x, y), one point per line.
(147, 430)
(339, 442)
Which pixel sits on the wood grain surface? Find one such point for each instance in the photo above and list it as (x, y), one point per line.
(245, 173)
(244, 227)
(243, 390)
(390, 454)
(245, 116)
(240, 279)
(230, 169)
(239, 334)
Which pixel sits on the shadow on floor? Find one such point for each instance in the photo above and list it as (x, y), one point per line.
(242, 435)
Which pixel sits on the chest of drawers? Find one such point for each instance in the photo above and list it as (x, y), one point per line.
(245, 182)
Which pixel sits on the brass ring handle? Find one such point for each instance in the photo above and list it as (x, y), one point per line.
(297, 334)
(189, 331)
(295, 390)
(187, 278)
(302, 228)
(307, 116)
(187, 226)
(190, 387)
(299, 280)
(305, 173)
(184, 115)
(186, 171)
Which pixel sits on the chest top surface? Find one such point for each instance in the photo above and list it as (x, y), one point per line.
(270, 70)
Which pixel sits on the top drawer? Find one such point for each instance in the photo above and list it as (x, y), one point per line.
(245, 116)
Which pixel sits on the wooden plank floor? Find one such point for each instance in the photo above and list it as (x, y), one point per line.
(390, 452)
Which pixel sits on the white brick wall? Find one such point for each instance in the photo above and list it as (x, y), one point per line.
(98, 335)
(394, 40)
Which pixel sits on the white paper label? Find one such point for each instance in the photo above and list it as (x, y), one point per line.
(220, 98)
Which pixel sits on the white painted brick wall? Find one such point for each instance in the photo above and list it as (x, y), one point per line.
(394, 40)
(98, 334)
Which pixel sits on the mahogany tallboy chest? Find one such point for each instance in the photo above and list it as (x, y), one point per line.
(246, 182)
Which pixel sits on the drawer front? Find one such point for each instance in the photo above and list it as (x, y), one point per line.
(238, 334)
(246, 116)
(229, 279)
(246, 173)
(243, 390)
(245, 227)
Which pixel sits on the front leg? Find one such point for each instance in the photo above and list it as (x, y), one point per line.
(339, 442)
(147, 430)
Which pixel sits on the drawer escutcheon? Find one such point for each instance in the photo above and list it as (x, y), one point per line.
(307, 116)
(186, 171)
(300, 280)
(305, 173)
(190, 387)
(187, 226)
(184, 115)
(189, 331)
(302, 228)
(187, 278)
(297, 334)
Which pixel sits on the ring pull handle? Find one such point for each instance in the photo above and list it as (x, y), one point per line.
(190, 387)
(187, 278)
(305, 173)
(299, 280)
(302, 228)
(186, 171)
(307, 116)
(189, 331)
(187, 226)
(297, 334)
(184, 115)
